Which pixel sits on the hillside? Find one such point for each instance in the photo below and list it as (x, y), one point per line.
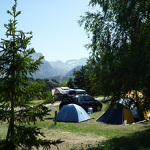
(57, 69)
(70, 73)
(62, 68)
(45, 70)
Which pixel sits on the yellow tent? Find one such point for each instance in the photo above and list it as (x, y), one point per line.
(142, 100)
(117, 114)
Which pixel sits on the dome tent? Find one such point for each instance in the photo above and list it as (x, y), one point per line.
(72, 113)
(142, 101)
(133, 108)
(119, 114)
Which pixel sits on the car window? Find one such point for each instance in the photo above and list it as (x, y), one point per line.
(80, 99)
(89, 98)
(67, 100)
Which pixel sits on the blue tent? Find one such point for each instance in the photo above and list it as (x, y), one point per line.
(112, 116)
(72, 113)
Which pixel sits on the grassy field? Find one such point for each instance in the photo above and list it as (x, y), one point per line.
(91, 135)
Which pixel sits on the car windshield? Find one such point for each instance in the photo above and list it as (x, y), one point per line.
(88, 98)
(81, 98)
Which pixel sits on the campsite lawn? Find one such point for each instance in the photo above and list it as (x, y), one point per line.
(92, 135)
(133, 136)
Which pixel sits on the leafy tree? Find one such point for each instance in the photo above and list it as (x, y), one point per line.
(55, 81)
(16, 90)
(63, 84)
(79, 80)
(84, 80)
(70, 83)
(120, 35)
(49, 85)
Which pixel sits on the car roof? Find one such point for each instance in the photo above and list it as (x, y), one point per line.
(76, 91)
(81, 95)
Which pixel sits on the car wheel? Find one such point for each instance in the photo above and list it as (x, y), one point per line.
(98, 108)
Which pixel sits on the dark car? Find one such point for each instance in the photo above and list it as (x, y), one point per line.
(84, 100)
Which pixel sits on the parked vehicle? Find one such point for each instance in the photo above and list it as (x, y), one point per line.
(61, 91)
(84, 100)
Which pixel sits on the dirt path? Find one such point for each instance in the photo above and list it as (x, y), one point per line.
(74, 141)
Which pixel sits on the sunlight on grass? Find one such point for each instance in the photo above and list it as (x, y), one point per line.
(91, 126)
(3, 130)
(111, 133)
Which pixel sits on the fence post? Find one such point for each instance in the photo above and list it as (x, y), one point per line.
(55, 120)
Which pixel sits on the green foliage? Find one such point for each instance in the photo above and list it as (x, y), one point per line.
(120, 37)
(60, 79)
(49, 85)
(79, 80)
(63, 84)
(25, 137)
(84, 80)
(70, 83)
(17, 90)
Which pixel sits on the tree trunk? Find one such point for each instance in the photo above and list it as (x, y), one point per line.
(10, 131)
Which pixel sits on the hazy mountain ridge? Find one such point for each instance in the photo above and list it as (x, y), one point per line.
(57, 68)
(45, 69)
(64, 67)
(70, 73)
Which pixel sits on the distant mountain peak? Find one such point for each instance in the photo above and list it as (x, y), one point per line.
(57, 68)
(63, 68)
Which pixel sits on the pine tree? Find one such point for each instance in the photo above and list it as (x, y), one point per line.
(16, 90)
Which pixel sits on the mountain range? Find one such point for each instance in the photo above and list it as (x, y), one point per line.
(52, 69)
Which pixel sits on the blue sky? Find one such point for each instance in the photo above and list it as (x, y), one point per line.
(56, 33)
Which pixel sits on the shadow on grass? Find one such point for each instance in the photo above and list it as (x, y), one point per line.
(49, 118)
(136, 141)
